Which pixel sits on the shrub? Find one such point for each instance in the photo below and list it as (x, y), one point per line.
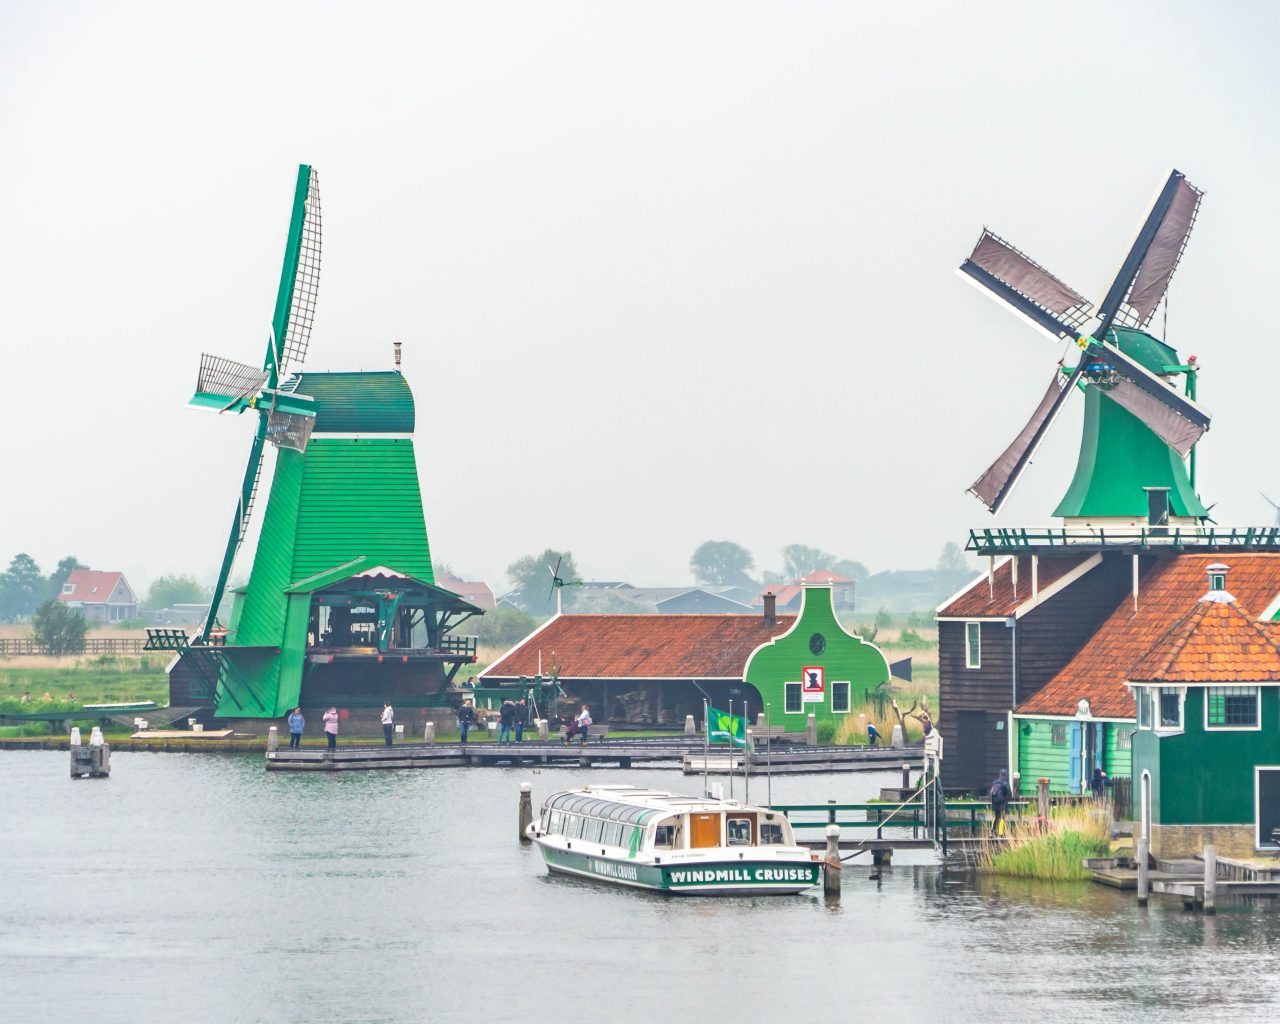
(826, 732)
(912, 640)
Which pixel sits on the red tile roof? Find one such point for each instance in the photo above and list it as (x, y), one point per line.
(641, 646)
(982, 600)
(1215, 642)
(90, 586)
(1167, 593)
(478, 593)
(824, 576)
(784, 592)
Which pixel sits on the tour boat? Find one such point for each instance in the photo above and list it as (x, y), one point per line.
(648, 839)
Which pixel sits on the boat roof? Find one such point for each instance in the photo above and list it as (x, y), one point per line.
(632, 804)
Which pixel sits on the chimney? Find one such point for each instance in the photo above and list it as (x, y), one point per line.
(397, 348)
(771, 609)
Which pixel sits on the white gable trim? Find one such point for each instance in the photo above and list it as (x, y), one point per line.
(980, 578)
(1059, 585)
(506, 654)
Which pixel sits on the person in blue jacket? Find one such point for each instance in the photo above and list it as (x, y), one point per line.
(296, 724)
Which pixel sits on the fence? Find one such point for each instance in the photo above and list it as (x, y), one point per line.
(12, 647)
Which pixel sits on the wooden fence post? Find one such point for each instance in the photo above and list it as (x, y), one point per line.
(831, 863)
(1042, 798)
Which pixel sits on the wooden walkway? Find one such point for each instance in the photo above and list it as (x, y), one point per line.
(619, 753)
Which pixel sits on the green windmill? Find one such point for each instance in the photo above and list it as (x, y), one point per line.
(1137, 457)
(341, 605)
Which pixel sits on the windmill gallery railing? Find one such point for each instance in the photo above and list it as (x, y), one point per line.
(1009, 540)
(18, 646)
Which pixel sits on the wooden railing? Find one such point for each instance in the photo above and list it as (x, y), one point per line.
(14, 646)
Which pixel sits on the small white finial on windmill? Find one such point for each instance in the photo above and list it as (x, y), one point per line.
(397, 344)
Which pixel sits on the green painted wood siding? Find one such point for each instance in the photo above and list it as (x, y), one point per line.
(1040, 758)
(1117, 763)
(844, 657)
(361, 497)
(360, 403)
(1201, 777)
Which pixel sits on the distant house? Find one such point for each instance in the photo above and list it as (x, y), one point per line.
(790, 596)
(100, 596)
(477, 592)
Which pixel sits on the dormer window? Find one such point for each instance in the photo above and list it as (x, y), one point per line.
(68, 588)
(1217, 581)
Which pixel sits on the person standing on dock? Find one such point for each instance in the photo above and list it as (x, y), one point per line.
(522, 719)
(331, 727)
(873, 735)
(466, 718)
(506, 719)
(388, 723)
(296, 724)
(584, 723)
(1001, 794)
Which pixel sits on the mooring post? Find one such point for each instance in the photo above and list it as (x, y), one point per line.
(526, 810)
(906, 775)
(690, 728)
(273, 740)
(429, 732)
(896, 739)
(77, 768)
(831, 863)
(1210, 879)
(1143, 889)
(542, 728)
(811, 730)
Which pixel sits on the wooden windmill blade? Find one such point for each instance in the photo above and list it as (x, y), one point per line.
(1175, 419)
(300, 275)
(1157, 249)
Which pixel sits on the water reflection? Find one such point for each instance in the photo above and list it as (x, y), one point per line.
(198, 886)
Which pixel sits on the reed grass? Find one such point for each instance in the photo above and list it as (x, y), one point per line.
(1057, 851)
(852, 729)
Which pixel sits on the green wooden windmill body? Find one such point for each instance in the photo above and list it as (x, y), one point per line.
(345, 504)
(1119, 454)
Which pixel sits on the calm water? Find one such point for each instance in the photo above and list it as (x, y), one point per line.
(197, 887)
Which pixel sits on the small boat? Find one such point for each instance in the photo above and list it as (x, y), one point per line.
(647, 839)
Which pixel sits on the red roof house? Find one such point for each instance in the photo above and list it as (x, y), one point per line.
(100, 596)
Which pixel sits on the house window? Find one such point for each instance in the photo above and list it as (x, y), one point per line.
(1170, 708)
(840, 698)
(792, 698)
(1231, 707)
(1144, 708)
(1124, 739)
(973, 645)
(67, 588)
(1058, 735)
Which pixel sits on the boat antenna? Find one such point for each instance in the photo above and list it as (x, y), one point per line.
(746, 755)
(768, 775)
(731, 748)
(706, 745)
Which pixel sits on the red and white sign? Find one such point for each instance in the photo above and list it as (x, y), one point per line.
(813, 683)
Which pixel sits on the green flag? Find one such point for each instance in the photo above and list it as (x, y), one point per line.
(723, 727)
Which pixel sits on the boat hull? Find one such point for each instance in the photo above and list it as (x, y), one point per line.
(704, 878)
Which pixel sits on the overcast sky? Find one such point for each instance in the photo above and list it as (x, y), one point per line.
(663, 272)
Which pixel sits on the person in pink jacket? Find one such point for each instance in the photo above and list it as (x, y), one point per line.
(331, 727)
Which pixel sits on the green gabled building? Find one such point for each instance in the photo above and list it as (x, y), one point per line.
(341, 606)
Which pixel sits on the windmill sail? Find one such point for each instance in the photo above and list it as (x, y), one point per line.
(300, 277)
(996, 484)
(1174, 418)
(1012, 277)
(1145, 273)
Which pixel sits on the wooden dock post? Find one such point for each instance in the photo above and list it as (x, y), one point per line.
(811, 730)
(906, 775)
(429, 732)
(273, 739)
(1144, 888)
(526, 810)
(690, 729)
(542, 729)
(831, 863)
(1042, 798)
(1210, 879)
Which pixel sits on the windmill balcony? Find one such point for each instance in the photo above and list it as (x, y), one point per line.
(1133, 536)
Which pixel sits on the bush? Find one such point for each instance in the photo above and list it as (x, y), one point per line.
(59, 629)
(504, 626)
(826, 732)
(912, 640)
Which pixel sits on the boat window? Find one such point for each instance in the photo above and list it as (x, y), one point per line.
(555, 822)
(739, 831)
(770, 835)
(592, 829)
(665, 835)
(612, 834)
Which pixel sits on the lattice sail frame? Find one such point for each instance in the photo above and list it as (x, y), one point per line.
(290, 430)
(306, 281)
(1127, 315)
(219, 376)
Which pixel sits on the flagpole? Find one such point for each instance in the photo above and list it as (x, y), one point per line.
(706, 744)
(731, 748)
(746, 756)
(768, 728)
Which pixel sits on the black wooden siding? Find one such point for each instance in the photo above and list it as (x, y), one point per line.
(1048, 638)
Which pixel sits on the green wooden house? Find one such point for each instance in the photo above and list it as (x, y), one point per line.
(1206, 753)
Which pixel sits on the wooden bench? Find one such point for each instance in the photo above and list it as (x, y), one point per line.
(596, 732)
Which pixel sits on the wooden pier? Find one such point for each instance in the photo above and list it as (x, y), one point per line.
(617, 753)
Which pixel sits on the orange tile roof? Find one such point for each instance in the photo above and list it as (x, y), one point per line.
(1167, 593)
(90, 586)
(640, 646)
(981, 600)
(1215, 642)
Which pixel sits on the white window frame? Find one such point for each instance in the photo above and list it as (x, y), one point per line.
(1257, 698)
(799, 689)
(972, 656)
(848, 697)
(68, 588)
(1156, 724)
(1144, 693)
(1258, 769)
